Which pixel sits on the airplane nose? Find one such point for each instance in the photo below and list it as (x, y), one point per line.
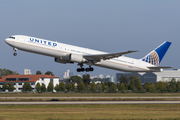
(6, 40)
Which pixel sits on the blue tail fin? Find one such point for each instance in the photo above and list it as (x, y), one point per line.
(157, 55)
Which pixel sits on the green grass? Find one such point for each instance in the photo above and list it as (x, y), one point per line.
(58, 112)
(72, 94)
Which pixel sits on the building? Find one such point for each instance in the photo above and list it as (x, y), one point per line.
(101, 76)
(108, 76)
(19, 80)
(67, 74)
(27, 72)
(109, 79)
(154, 77)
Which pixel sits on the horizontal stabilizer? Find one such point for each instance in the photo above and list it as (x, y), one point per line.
(158, 68)
(106, 56)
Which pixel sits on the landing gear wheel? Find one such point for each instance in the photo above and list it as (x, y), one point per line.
(87, 69)
(80, 70)
(91, 69)
(15, 54)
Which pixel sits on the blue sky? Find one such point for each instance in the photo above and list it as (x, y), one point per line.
(106, 25)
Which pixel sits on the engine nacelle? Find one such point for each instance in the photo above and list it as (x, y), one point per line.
(76, 58)
(59, 60)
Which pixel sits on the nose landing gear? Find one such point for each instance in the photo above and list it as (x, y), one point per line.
(15, 54)
(15, 49)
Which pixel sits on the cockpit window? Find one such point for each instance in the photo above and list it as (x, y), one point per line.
(12, 37)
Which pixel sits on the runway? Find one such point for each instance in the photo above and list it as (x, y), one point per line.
(88, 102)
(88, 97)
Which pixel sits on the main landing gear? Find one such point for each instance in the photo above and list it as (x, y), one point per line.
(15, 49)
(84, 69)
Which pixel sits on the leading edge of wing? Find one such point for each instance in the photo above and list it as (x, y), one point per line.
(106, 56)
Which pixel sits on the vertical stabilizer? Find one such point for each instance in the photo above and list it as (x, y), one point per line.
(157, 55)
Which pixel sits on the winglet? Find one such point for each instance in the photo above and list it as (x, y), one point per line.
(155, 56)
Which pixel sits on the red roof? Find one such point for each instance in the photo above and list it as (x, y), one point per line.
(34, 78)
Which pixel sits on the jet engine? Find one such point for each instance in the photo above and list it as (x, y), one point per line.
(76, 58)
(59, 60)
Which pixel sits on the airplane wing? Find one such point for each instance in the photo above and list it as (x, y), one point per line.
(158, 68)
(105, 56)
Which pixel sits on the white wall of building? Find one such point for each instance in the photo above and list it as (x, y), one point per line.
(167, 75)
(46, 81)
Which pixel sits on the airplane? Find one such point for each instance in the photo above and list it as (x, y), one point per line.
(65, 53)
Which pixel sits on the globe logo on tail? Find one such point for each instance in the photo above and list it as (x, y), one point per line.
(152, 58)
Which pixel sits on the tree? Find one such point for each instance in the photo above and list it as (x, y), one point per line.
(110, 83)
(88, 88)
(135, 83)
(123, 79)
(112, 88)
(178, 85)
(76, 79)
(103, 86)
(43, 88)
(160, 86)
(5, 86)
(4, 72)
(146, 86)
(57, 88)
(38, 72)
(73, 87)
(99, 87)
(86, 79)
(49, 73)
(50, 87)
(93, 87)
(166, 84)
(69, 87)
(62, 86)
(26, 87)
(38, 87)
(132, 85)
(122, 87)
(81, 86)
(118, 86)
(151, 88)
(11, 87)
(172, 85)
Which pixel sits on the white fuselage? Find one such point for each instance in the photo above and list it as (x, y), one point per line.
(61, 50)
